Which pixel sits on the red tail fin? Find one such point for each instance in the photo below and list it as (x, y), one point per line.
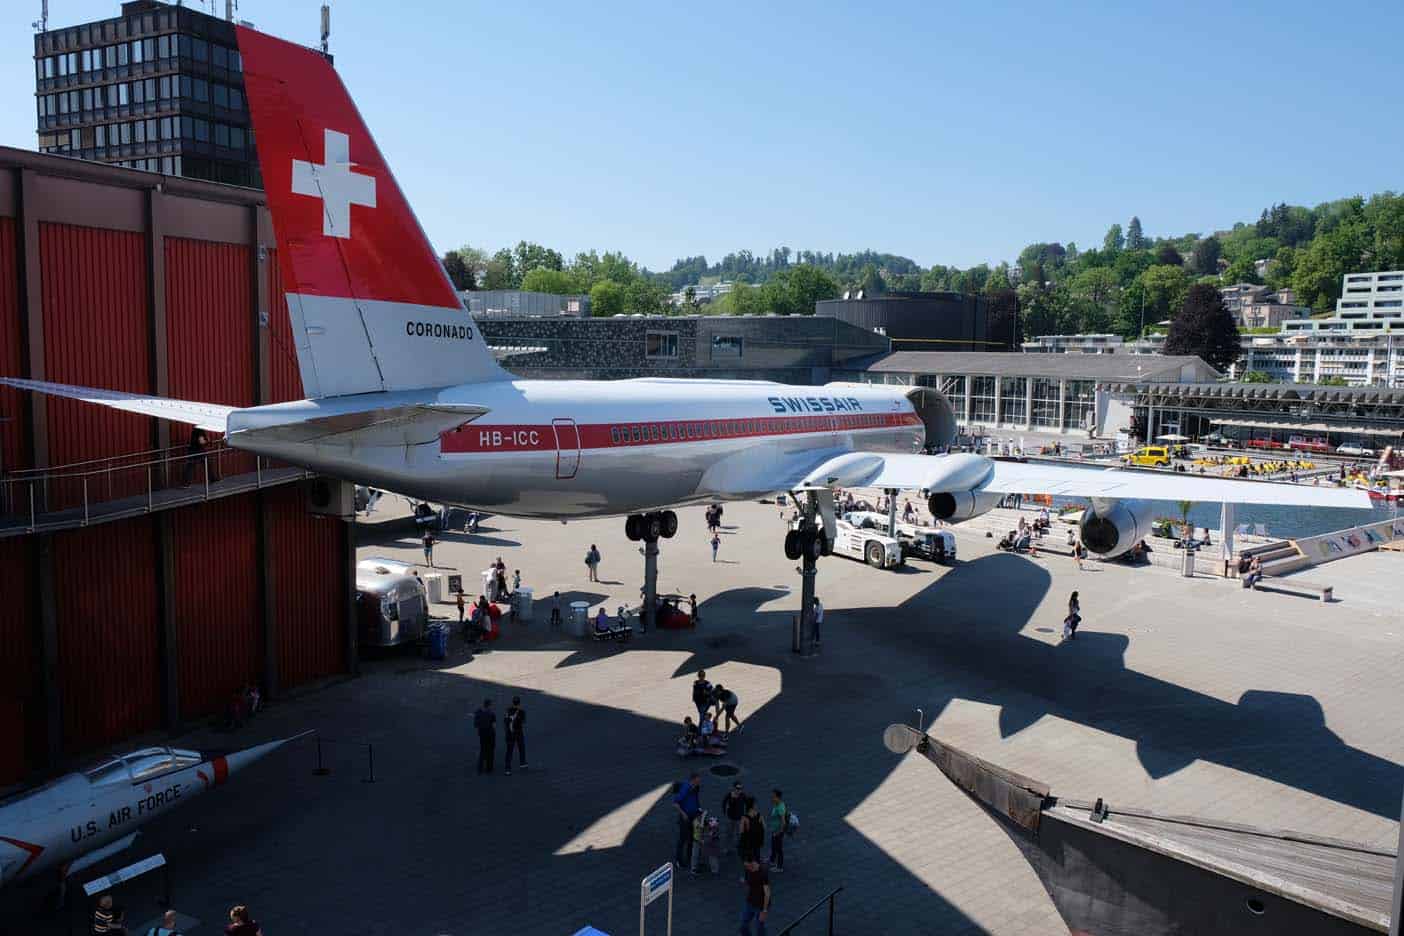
(372, 308)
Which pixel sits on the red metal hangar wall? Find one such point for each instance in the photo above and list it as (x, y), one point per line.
(137, 595)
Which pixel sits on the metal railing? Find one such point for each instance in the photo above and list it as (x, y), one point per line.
(828, 899)
(126, 485)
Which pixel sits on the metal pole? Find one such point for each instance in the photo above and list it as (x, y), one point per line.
(148, 489)
(206, 459)
(1395, 923)
(892, 512)
(370, 761)
(85, 500)
(831, 914)
(650, 599)
(31, 506)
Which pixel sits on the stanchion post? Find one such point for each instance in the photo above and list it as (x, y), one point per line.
(320, 770)
(370, 764)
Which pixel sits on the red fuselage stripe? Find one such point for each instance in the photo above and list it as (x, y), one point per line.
(476, 437)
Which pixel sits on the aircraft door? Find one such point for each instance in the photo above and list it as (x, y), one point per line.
(567, 447)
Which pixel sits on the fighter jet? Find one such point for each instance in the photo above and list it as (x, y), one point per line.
(79, 819)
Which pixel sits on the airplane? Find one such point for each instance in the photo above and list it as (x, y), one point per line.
(403, 394)
(79, 819)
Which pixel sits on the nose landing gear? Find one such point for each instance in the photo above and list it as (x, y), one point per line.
(812, 538)
(650, 527)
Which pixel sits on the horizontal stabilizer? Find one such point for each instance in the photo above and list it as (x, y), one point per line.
(376, 419)
(211, 417)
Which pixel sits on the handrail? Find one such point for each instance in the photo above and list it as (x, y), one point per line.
(829, 899)
(23, 474)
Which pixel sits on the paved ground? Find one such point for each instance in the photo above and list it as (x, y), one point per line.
(1187, 697)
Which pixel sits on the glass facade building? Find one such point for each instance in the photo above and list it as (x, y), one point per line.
(159, 88)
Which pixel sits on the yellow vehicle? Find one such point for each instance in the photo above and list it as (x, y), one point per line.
(1150, 456)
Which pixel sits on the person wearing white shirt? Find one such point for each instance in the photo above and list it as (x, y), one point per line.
(818, 617)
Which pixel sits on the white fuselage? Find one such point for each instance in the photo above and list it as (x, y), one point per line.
(581, 448)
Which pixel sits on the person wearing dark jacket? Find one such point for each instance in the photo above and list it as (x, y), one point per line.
(241, 923)
(701, 694)
(514, 724)
(485, 720)
(733, 809)
(751, 836)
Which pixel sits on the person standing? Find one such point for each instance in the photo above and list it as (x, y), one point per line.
(241, 923)
(751, 833)
(556, 610)
(688, 803)
(485, 720)
(592, 562)
(514, 724)
(701, 694)
(460, 609)
(818, 617)
(733, 810)
(779, 822)
(429, 547)
(716, 544)
(102, 916)
(727, 702)
(1079, 552)
(1073, 619)
(167, 926)
(757, 905)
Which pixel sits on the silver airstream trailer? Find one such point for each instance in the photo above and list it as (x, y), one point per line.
(391, 603)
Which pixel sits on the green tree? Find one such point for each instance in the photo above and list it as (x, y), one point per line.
(870, 281)
(501, 272)
(1163, 292)
(457, 270)
(606, 298)
(1319, 268)
(642, 297)
(475, 262)
(1114, 241)
(804, 285)
(529, 256)
(1002, 320)
(1135, 240)
(1204, 259)
(1255, 376)
(1333, 381)
(1167, 255)
(547, 280)
(1204, 327)
(1242, 270)
(1284, 262)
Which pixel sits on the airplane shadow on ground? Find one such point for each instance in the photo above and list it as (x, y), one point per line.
(819, 738)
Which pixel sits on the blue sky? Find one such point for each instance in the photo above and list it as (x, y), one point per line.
(949, 135)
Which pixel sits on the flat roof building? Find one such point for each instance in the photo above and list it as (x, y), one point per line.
(1053, 393)
(925, 321)
(158, 88)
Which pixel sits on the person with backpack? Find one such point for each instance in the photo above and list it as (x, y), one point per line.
(592, 562)
(779, 825)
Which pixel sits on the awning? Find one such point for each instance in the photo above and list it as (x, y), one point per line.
(1322, 428)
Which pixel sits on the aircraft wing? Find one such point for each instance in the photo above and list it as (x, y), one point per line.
(1078, 481)
(212, 417)
(961, 472)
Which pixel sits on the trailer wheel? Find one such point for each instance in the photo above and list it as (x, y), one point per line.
(874, 553)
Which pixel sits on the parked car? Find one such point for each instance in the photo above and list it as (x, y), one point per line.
(1271, 444)
(1356, 449)
(1149, 456)
(1308, 444)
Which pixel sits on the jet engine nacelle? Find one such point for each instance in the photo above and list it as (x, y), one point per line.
(955, 506)
(1111, 527)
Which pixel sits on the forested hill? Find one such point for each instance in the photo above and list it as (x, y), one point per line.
(1130, 278)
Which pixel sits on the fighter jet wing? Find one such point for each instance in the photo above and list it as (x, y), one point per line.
(211, 417)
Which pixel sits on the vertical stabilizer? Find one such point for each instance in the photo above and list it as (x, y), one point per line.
(371, 307)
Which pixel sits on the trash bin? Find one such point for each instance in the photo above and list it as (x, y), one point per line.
(522, 599)
(579, 625)
(438, 641)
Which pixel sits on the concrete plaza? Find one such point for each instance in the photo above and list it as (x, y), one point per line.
(1188, 697)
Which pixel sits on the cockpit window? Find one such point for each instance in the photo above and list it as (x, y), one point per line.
(107, 772)
(154, 762)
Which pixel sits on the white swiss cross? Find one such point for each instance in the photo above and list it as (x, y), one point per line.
(335, 184)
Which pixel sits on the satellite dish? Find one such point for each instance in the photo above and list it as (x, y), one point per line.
(899, 739)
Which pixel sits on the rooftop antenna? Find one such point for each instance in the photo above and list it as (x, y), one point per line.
(326, 25)
(42, 23)
(229, 7)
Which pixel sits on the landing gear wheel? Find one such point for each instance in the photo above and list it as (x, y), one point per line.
(826, 545)
(633, 528)
(652, 527)
(792, 545)
(814, 544)
(670, 524)
(873, 553)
